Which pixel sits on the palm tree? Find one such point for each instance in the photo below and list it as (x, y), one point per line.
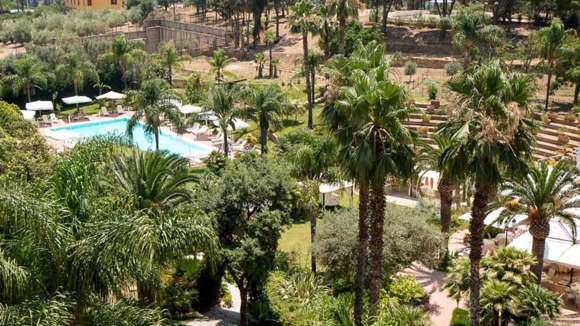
(265, 106)
(325, 28)
(312, 162)
(343, 10)
(432, 155)
(170, 59)
(78, 70)
(153, 103)
(364, 112)
(303, 19)
(101, 86)
(158, 184)
(275, 64)
(315, 60)
(260, 60)
(29, 73)
(270, 38)
(546, 193)
(218, 61)
(222, 101)
(120, 56)
(490, 133)
(551, 39)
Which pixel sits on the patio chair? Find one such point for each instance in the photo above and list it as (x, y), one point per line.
(239, 145)
(120, 109)
(104, 112)
(53, 118)
(45, 121)
(193, 129)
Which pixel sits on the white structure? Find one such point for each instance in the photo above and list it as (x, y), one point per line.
(561, 246)
(491, 219)
(112, 95)
(328, 196)
(28, 115)
(189, 109)
(39, 106)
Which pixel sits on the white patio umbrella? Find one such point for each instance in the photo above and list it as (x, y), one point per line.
(112, 95)
(240, 124)
(207, 116)
(39, 106)
(28, 115)
(189, 109)
(490, 219)
(76, 100)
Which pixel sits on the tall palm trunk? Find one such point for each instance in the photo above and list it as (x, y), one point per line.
(576, 88)
(29, 92)
(539, 229)
(478, 211)
(377, 206)
(156, 132)
(550, 63)
(145, 293)
(341, 32)
(313, 223)
(170, 72)
(264, 126)
(362, 251)
(271, 70)
(445, 189)
(226, 145)
(243, 306)
(310, 124)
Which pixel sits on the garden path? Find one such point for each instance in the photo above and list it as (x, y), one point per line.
(219, 316)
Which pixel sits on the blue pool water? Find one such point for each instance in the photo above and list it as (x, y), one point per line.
(167, 141)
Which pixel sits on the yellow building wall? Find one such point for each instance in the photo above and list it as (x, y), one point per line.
(95, 4)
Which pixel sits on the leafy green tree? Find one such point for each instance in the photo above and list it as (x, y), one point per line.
(250, 226)
(546, 193)
(265, 105)
(29, 74)
(76, 69)
(170, 59)
(222, 101)
(218, 62)
(568, 69)
(195, 90)
(489, 134)
(153, 103)
(551, 39)
(302, 19)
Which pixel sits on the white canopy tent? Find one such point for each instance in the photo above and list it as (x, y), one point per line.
(76, 100)
(561, 247)
(28, 115)
(326, 191)
(39, 106)
(491, 218)
(112, 95)
(189, 109)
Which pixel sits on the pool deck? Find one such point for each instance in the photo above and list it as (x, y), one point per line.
(59, 145)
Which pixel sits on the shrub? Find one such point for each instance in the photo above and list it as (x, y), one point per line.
(408, 238)
(407, 290)
(410, 68)
(432, 91)
(459, 317)
(227, 300)
(452, 68)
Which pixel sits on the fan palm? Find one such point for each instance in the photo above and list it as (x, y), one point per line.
(343, 10)
(270, 38)
(170, 59)
(29, 73)
(432, 155)
(266, 105)
(551, 39)
(260, 60)
(325, 29)
(489, 133)
(348, 114)
(222, 101)
(302, 19)
(153, 103)
(218, 62)
(546, 193)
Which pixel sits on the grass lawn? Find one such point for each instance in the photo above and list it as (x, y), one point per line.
(89, 109)
(296, 242)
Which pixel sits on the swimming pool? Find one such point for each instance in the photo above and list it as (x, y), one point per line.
(118, 126)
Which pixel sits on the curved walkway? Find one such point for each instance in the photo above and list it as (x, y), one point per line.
(219, 316)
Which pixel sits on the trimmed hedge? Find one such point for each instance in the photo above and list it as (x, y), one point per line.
(460, 317)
